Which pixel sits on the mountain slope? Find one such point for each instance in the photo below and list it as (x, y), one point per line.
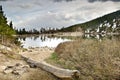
(106, 23)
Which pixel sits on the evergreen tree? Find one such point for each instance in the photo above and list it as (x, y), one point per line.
(11, 25)
(1, 12)
(4, 27)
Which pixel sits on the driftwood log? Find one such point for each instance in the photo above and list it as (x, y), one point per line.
(58, 72)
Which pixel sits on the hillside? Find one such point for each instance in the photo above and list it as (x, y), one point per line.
(105, 24)
(5, 29)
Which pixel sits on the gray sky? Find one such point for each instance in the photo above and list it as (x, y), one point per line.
(55, 13)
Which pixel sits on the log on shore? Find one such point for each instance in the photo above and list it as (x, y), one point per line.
(58, 72)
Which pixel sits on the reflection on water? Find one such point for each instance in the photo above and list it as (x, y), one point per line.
(100, 36)
(41, 41)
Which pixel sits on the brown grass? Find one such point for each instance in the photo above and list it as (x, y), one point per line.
(96, 60)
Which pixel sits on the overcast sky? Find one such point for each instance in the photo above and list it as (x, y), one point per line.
(55, 13)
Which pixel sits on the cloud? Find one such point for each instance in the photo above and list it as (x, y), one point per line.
(104, 0)
(49, 13)
(3, 0)
(63, 0)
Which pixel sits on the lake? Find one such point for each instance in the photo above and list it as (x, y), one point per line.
(52, 41)
(41, 41)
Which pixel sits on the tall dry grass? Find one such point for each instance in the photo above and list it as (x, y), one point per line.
(96, 60)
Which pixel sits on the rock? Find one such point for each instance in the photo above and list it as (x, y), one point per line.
(17, 69)
(9, 67)
(5, 48)
(26, 66)
(18, 64)
(7, 71)
(2, 68)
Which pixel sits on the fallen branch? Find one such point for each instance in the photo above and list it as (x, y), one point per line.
(59, 72)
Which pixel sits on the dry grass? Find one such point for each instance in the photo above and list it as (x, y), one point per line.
(96, 60)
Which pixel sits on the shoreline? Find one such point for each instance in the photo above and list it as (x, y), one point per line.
(63, 34)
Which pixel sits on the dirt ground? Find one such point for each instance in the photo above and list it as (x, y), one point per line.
(38, 54)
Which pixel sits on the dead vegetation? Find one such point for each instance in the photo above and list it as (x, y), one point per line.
(96, 60)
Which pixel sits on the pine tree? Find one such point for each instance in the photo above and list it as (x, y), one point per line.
(11, 25)
(4, 27)
(1, 12)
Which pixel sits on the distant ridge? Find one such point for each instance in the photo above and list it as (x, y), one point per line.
(107, 23)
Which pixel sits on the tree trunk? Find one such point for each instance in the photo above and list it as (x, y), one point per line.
(59, 72)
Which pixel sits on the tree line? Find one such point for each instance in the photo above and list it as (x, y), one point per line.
(41, 31)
